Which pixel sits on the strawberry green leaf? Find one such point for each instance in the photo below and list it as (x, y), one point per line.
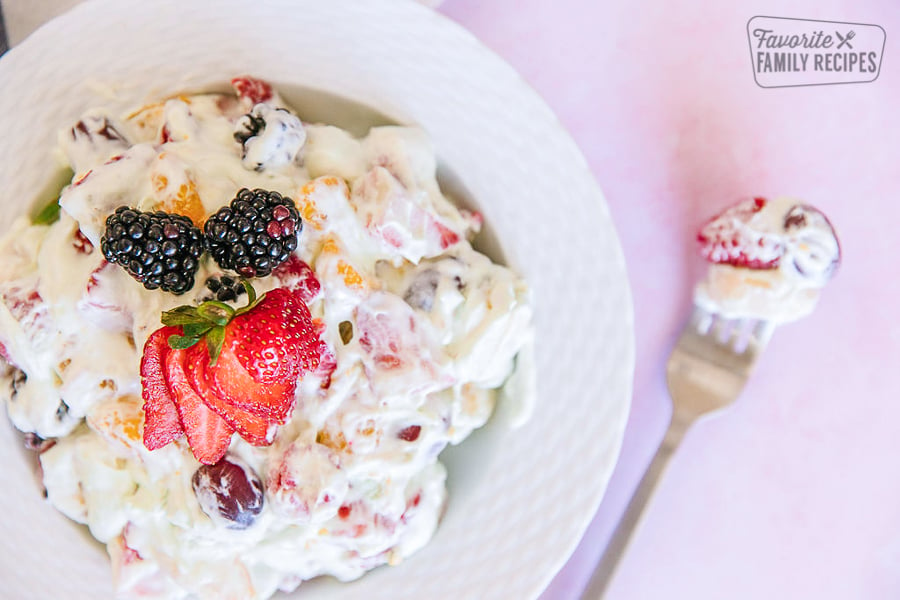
(180, 342)
(214, 340)
(177, 319)
(196, 330)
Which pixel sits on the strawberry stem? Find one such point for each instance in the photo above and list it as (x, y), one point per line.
(217, 313)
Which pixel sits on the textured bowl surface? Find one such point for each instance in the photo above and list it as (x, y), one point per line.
(519, 499)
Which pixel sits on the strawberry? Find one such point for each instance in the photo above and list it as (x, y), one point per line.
(232, 382)
(161, 422)
(276, 341)
(208, 434)
(254, 90)
(253, 428)
(736, 237)
(242, 378)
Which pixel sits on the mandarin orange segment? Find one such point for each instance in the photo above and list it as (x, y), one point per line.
(310, 213)
(149, 116)
(352, 278)
(329, 246)
(307, 204)
(120, 422)
(186, 201)
(181, 200)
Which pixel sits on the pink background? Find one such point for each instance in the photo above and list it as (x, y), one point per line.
(795, 491)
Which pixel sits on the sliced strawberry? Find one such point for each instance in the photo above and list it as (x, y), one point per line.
(230, 381)
(161, 421)
(277, 340)
(737, 237)
(249, 426)
(208, 434)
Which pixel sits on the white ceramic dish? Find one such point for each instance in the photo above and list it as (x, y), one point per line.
(519, 499)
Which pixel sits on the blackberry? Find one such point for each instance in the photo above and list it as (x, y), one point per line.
(223, 288)
(270, 137)
(248, 126)
(255, 233)
(158, 249)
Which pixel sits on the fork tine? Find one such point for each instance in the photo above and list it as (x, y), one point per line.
(723, 329)
(701, 320)
(762, 333)
(743, 335)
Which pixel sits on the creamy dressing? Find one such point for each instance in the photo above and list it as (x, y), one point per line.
(353, 480)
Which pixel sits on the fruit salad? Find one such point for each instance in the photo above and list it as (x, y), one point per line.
(240, 341)
(769, 260)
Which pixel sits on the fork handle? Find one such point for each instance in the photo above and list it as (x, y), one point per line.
(603, 575)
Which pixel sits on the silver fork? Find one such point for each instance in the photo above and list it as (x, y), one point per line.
(707, 369)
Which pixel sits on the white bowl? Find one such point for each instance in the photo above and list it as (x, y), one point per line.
(519, 499)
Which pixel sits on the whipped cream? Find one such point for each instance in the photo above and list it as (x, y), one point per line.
(424, 329)
(800, 243)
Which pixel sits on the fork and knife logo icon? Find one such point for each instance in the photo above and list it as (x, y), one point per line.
(845, 39)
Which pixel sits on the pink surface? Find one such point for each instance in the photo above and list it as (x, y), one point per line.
(794, 492)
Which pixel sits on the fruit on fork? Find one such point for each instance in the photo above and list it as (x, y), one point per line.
(769, 260)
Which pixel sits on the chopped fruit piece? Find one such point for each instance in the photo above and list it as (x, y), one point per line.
(252, 89)
(253, 428)
(326, 189)
(161, 421)
(300, 497)
(255, 233)
(159, 250)
(208, 434)
(147, 119)
(297, 276)
(327, 364)
(422, 290)
(118, 421)
(352, 278)
(81, 244)
(229, 490)
(178, 197)
(448, 236)
(410, 434)
(733, 237)
(92, 141)
(270, 137)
